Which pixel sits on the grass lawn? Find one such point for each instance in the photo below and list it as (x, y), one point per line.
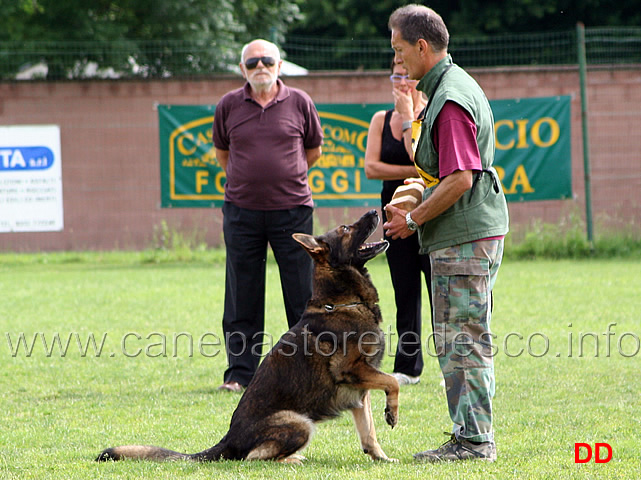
(567, 362)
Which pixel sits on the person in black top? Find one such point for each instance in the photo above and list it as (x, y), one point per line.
(387, 158)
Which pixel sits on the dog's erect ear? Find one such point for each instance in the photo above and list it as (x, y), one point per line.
(308, 242)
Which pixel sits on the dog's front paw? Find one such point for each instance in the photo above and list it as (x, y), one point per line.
(391, 416)
(386, 459)
(378, 455)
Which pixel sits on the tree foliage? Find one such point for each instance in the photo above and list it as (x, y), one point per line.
(367, 19)
(161, 38)
(145, 34)
(519, 16)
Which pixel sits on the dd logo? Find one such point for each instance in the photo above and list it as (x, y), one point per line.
(588, 453)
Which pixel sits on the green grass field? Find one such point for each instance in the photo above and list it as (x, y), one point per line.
(151, 375)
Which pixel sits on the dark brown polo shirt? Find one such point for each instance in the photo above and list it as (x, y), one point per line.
(267, 167)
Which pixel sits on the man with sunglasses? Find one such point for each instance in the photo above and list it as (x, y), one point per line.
(267, 135)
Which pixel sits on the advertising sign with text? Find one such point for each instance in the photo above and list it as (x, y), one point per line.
(30, 179)
(532, 153)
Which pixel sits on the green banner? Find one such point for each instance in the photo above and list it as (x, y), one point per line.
(533, 153)
(532, 156)
(338, 178)
(189, 170)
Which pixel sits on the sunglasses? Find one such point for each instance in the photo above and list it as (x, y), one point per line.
(399, 78)
(252, 63)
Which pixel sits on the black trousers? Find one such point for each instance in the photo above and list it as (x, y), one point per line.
(246, 234)
(406, 266)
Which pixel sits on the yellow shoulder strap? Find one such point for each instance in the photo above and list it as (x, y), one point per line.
(430, 181)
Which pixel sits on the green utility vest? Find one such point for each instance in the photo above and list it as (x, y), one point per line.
(481, 211)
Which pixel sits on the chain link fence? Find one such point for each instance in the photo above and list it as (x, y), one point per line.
(127, 59)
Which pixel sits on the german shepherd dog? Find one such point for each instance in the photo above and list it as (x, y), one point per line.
(324, 365)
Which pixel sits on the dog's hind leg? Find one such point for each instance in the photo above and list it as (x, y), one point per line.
(281, 436)
(293, 459)
(366, 432)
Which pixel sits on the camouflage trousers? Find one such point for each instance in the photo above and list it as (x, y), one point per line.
(462, 280)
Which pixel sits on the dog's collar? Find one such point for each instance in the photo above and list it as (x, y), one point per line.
(331, 307)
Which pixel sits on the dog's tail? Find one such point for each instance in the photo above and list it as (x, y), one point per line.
(157, 454)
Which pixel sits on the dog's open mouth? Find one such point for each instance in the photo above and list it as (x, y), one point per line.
(369, 250)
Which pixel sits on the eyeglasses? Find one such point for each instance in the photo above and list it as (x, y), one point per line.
(396, 78)
(252, 63)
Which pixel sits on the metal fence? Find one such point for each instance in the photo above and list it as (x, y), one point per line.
(179, 59)
(603, 45)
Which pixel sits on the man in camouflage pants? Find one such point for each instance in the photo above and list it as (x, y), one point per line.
(463, 280)
(461, 222)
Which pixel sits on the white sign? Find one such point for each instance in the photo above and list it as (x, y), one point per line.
(30, 179)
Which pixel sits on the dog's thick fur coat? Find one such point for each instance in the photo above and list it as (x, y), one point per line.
(324, 365)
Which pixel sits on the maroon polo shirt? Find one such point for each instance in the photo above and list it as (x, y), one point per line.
(455, 140)
(267, 168)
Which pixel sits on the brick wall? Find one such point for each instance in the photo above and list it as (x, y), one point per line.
(110, 149)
